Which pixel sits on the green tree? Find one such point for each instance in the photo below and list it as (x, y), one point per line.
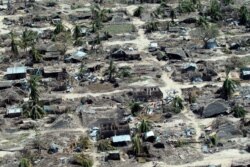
(14, 48)
(77, 32)
(84, 142)
(152, 26)
(202, 22)
(144, 126)
(59, 28)
(229, 86)
(25, 163)
(244, 15)
(135, 108)
(34, 92)
(137, 144)
(28, 39)
(239, 112)
(138, 12)
(83, 160)
(177, 104)
(227, 2)
(36, 56)
(186, 6)
(214, 10)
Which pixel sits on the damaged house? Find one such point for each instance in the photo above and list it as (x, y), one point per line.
(14, 73)
(54, 72)
(122, 55)
(245, 73)
(176, 53)
(109, 128)
(147, 94)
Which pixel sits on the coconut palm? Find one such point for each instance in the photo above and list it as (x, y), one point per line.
(186, 6)
(144, 126)
(172, 15)
(138, 12)
(36, 56)
(229, 86)
(34, 93)
(59, 28)
(77, 32)
(214, 10)
(13, 43)
(202, 22)
(177, 104)
(36, 112)
(83, 160)
(244, 15)
(239, 111)
(28, 39)
(25, 163)
(137, 144)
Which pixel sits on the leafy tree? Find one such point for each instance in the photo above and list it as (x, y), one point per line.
(172, 15)
(25, 163)
(138, 12)
(213, 140)
(77, 32)
(137, 145)
(214, 10)
(83, 160)
(135, 108)
(104, 145)
(14, 48)
(186, 6)
(177, 104)
(239, 112)
(36, 56)
(152, 26)
(244, 15)
(28, 39)
(229, 86)
(144, 126)
(59, 28)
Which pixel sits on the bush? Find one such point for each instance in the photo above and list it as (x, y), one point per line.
(84, 142)
(83, 160)
(239, 112)
(25, 163)
(104, 145)
(135, 108)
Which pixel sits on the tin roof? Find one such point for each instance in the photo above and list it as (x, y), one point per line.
(14, 110)
(121, 138)
(16, 70)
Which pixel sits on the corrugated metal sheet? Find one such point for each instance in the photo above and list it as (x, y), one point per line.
(121, 138)
(16, 70)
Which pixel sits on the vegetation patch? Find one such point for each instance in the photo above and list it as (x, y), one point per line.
(114, 29)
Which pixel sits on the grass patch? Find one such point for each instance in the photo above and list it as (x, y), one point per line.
(119, 28)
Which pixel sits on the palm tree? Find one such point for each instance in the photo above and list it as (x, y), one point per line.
(144, 126)
(59, 28)
(239, 111)
(177, 104)
(229, 86)
(28, 38)
(137, 145)
(138, 12)
(34, 93)
(84, 160)
(77, 32)
(36, 56)
(244, 15)
(186, 6)
(111, 70)
(104, 145)
(172, 15)
(214, 10)
(203, 22)
(25, 163)
(36, 112)
(13, 43)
